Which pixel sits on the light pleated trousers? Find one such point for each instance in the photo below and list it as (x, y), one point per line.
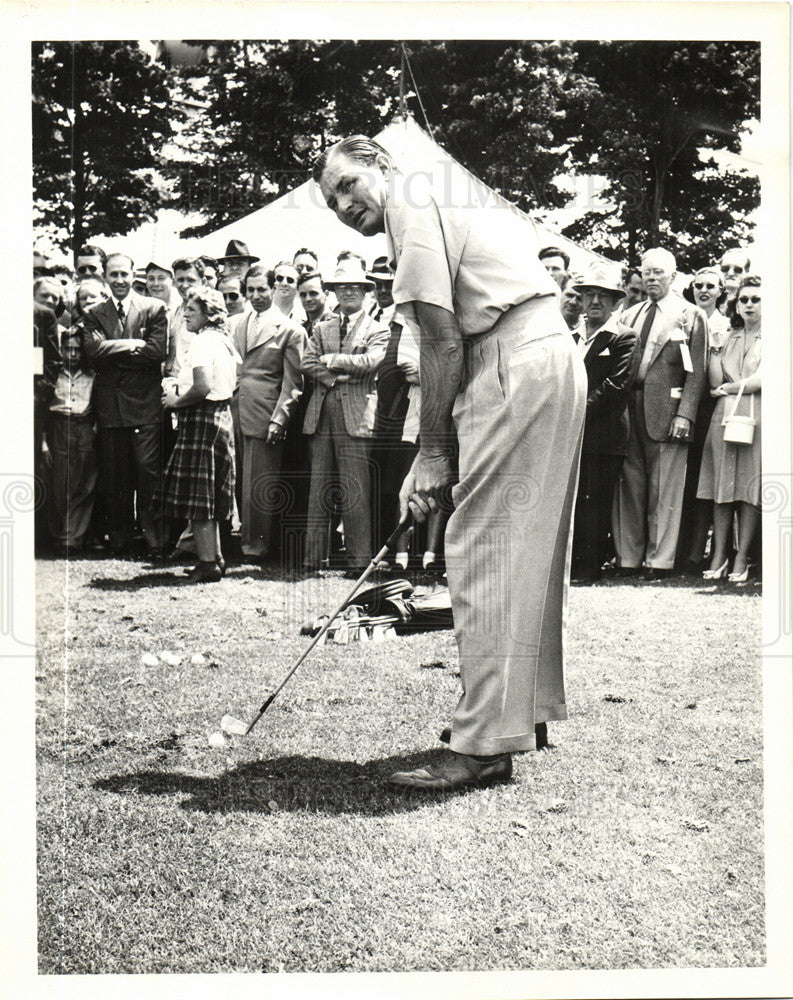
(648, 501)
(520, 421)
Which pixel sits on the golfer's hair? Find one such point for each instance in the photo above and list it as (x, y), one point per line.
(360, 148)
(555, 252)
(189, 264)
(258, 271)
(309, 276)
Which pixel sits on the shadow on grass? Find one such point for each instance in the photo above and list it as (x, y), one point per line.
(289, 784)
(141, 582)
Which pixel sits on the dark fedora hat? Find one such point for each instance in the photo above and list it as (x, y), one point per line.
(237, 250)
(381, 270)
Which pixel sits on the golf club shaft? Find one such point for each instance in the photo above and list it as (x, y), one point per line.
(401, 528)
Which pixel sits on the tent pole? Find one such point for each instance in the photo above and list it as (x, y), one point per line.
(402, 102)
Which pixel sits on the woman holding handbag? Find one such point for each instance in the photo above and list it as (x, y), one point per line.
(730, 472)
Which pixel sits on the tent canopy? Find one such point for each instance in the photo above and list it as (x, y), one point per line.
(300, 218)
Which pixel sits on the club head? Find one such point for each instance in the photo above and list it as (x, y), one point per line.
(232, 726)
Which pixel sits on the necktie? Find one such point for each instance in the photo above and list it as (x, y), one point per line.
(121, 314)
(647, 325)
(345, 322)
(577, 338)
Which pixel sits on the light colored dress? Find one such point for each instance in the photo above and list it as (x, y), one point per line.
(731, 472)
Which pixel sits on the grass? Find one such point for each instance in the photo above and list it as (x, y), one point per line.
(634, 842)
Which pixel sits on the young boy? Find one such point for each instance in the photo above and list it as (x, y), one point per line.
(69, 450)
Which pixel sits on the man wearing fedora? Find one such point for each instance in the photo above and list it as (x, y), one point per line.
(383, 278)
(608, 350)
(341, 359)
(237, 259)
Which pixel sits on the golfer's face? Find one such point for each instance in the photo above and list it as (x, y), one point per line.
(356, 193)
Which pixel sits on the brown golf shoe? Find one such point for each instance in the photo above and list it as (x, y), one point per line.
(459, 771)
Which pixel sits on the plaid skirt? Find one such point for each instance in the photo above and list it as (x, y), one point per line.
(199, 478)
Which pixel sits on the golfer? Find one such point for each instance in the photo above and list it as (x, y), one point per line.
(498, 363)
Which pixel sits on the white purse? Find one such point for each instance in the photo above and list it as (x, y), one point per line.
(739, 429)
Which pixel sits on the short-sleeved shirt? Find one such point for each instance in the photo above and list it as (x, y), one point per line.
(212, 350)
(474, 260)
(72, 393)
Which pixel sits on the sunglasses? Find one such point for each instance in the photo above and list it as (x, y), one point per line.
(731, 269)
(746, 299)
(699, 285)
(231, 296)
(281, 278)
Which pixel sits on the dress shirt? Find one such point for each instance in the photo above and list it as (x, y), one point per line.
(73, 393)
(668, 307)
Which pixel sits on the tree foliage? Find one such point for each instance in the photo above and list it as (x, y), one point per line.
(268, 108)
(239, 127)
(101, 115)
(656, 105)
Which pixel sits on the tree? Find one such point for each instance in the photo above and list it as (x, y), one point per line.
(655, 107)
(101, 115)
(267, 108)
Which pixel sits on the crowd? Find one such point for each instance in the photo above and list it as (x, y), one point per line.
(203, 409)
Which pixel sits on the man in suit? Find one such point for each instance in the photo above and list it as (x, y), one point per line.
(670, 379)
(608, 349)
(341, 359)
(125, 341)
(269, 386)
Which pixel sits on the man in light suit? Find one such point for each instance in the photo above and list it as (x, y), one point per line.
(270, 383)
(670, 379)
(125, 340)
(341, 359)
(608, 350)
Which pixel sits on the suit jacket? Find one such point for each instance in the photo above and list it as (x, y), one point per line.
(128, 388)
(358, 357)
(270, 381)
(669, 390)
(611, 362)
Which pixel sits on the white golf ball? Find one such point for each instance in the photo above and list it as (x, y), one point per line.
(149, 660)
(217, 741)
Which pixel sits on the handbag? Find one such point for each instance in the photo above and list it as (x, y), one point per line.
(739, 429)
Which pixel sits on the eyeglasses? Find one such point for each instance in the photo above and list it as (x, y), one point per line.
(231, 296)
(746, 299)
(731, 269)
(699, 285)
(281, 278)
(653, 272)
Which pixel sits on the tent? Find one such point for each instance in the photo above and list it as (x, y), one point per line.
(300, 217)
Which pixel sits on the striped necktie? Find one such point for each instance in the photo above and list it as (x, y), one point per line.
(121, 314)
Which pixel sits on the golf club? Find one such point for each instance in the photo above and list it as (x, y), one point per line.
(236, 727)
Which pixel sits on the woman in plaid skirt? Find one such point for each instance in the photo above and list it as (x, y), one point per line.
(199, 479)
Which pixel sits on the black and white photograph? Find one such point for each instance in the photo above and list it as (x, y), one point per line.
(445, 350)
